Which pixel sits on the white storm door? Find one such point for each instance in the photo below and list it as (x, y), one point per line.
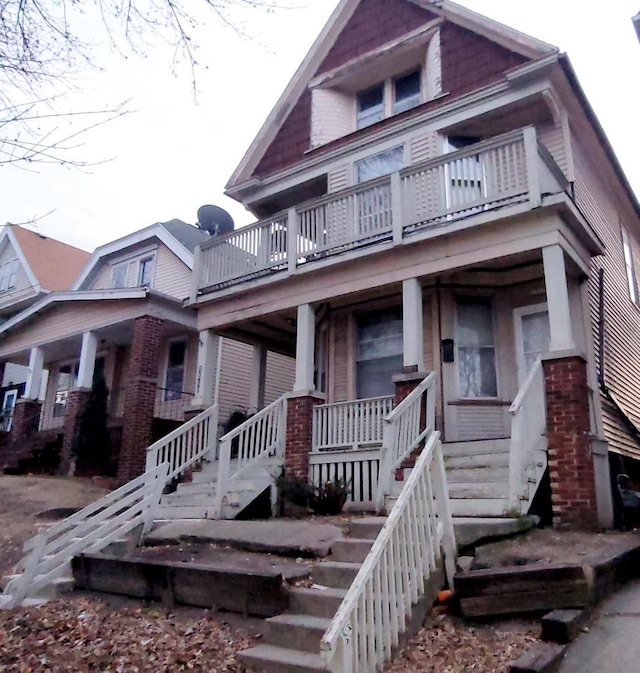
(533, 337)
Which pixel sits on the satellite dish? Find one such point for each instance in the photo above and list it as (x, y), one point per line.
(214, 220)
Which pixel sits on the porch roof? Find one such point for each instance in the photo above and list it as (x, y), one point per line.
(62, 318)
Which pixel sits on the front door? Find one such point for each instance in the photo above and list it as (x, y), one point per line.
(532, 337)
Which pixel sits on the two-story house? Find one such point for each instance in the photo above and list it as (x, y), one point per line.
(123, 317)
(435, 194)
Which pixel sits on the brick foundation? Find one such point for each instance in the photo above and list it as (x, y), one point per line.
(140, 396)
(24, 426)
(76, 402)
(571, 471)
(299, 429)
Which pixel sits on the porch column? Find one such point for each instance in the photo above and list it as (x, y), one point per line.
(208, 344)
(258, 377)
(34, 377)
(305, 348)
(301, 402)
(140, 395)
(571, 469)
(555, 279)
(412, 326)
(87, 360)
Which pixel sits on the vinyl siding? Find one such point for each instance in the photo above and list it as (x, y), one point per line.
(622, 317)
(172, 276)
(281, 372)
(235, 378)
(552, 137)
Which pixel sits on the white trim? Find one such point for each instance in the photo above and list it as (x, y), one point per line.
(8, 233)
(155, 230)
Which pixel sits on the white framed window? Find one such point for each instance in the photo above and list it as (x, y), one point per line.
(8, 275)
(387, 98)
(630, 266)
(475, 349)
(380, 164)
(146, 268)
(120, 275)
(66, 379)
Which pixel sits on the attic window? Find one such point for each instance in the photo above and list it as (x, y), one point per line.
(8, 275)
(387, 98)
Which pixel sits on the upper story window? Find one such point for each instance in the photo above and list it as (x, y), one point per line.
(630, 267)
(387, 98)
(380, 164)
(134, 272)
(8, 275)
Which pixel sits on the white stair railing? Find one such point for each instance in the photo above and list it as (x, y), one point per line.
(527, 456)
(88, 531)
(403, 431)
(416, 538)
(187, 445)
(258, 439)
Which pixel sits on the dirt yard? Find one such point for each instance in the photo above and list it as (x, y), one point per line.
(91, 632)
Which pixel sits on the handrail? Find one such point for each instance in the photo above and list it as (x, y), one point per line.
(187, 445)
(260, 437)
(86, 531)
(403, 429)
(417, 534)
(343, 193)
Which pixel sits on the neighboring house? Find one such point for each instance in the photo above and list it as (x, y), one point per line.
(436, 194)
(123, 317)
(31, 266)
(636, 24)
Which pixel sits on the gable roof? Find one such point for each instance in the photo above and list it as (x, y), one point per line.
(50, 264)
(294, 100)
(181, 238)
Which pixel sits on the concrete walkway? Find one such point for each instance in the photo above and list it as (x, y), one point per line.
(612, 643)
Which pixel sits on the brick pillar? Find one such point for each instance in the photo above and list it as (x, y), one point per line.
(24, 425)
(571, 471)
(140, 395)
(299, 429)
(76, 401)
(405, 384)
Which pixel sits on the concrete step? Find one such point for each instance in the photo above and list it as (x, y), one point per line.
(481, 446)
(351, 550)
(191, 499)
(296, 632)
(271, 659)
(366, 528)
(478, 474)
(319, 602)
(482, 507)
(477, 460)
(468, 490)
(61, 586)
(335, 574)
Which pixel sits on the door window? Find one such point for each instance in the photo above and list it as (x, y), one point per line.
(174, 379)
(475, 346)
(378, 353)
(8, 405)
(533, 337)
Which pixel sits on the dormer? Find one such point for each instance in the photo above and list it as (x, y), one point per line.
(389, 80)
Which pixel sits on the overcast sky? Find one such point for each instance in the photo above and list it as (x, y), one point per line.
(172, 154)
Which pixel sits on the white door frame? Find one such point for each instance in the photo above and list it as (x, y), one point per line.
(12, 395)
(518, 314)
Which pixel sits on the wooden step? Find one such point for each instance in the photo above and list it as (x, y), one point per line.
(478, 474)
(481, 446)
(477, 460)
(479, 507)
(467, 490)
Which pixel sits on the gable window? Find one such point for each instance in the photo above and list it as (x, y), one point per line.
(475, 349)
(370, 106)
(8, 275)
(393, 96)
(145, 271)
(378, 353)
(119, 275)
(630, 267)
(174, 377)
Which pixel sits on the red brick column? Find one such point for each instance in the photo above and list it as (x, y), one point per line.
(26, 419)
(76, 401)
(571, 471)
(406, 384)
(140, 396)
(299, 429)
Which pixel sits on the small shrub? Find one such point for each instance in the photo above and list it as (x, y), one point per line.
(329, 499)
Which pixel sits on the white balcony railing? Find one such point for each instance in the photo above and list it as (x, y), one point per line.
(505, 170)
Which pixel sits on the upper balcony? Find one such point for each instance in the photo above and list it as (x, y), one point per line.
(422, 199)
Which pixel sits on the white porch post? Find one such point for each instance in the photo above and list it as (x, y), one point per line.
(305, 347)
(412, 326)
(555, 279)
(208, 345)
(34, 377)
(87, 360)
(258, 377)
